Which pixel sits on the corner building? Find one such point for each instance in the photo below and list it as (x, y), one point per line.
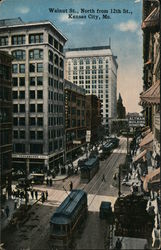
(38, 92)
(5, 124)
(95, 69)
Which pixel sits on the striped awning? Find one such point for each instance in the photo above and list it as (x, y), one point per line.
(152, 20)
(151, 178)
(147, 141)
(146, 132)
(140, 156)
(151, 95)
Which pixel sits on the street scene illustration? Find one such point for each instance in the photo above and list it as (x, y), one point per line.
(80, 124)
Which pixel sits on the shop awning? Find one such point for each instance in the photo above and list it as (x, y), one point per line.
(145, 128)
(146, 132)
(146, 142)
(152, 20)
(152, 177)
(152, 95)
(140, 156)
(148, 62)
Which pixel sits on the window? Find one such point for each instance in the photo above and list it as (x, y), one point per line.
(60, 48)
(22, 121)
(32, 94)
(87, 61)
(3, 40)
(50, 39)
(100, 61)
(75, 62)
(61, 63)
(19, 39)
(19, 55)
(22, 68)
(22, 108)
(39, 121)
(32, 67)
(15, 94)
(19, 148)
(39, 107)
(15, 134)
(32, 107)
(51, 56)
(22, 134)
(56, 59)
(15, 121)
(40, 135)
(36, 38)
(15, 81)
(22, 81)
(39, 80)
(22, 94)
(15, 108)
(39, 67)
(36, 54)
(32, 135)
(32, 81)
(56, 44)
(36, 148)
(15, 68)
(32, 121)
(81, 61)
(39, 94)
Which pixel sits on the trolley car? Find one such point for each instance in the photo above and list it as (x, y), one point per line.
(67, 217)
(89, 169)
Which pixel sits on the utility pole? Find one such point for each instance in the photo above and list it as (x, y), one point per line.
(119, 179)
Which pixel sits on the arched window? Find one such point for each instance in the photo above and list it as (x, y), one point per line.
(81, 61)
(94, 61)
(56, 59)
(36, 54)
(19, 55)
(100, 61)
(87, 61)
(51, 56)
(75, 62)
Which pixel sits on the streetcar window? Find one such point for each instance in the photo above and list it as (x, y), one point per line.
(56, 228)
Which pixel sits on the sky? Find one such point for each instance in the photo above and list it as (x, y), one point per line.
(122, 26)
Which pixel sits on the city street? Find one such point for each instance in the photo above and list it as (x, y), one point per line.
(34, 234)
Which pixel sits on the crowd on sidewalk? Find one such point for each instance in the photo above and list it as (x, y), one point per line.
(18, 198)
(142, 177)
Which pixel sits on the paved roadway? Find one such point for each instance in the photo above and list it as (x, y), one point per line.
(34, 234)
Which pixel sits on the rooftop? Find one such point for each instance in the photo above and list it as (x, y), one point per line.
(89, 48)
(18, 22)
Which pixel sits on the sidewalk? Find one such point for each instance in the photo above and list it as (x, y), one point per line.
(11, 204)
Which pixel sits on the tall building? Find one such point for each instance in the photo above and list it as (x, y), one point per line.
(38, 92)
(5, 124)
(75, 118)
(95, 69)
(93, 117)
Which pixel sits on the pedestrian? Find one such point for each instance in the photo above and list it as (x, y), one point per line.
(118, 244)
(32, 194)
(46, 194)
(51, 182)
(7, 210)
(36, 194)
(15, 204)
(71, 186)
(47, 181)
(42, 197)
(103, 178)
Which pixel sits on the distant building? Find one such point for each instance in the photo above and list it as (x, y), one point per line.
(38, 92)
(135, 120)
(95, 69)
(75, 119)
(5, 123)
(93, 117)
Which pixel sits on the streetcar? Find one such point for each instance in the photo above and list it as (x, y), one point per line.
(89, 168)
(68, 216)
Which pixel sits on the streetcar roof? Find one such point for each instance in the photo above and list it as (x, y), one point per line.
(67, 207)
(91, 161)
